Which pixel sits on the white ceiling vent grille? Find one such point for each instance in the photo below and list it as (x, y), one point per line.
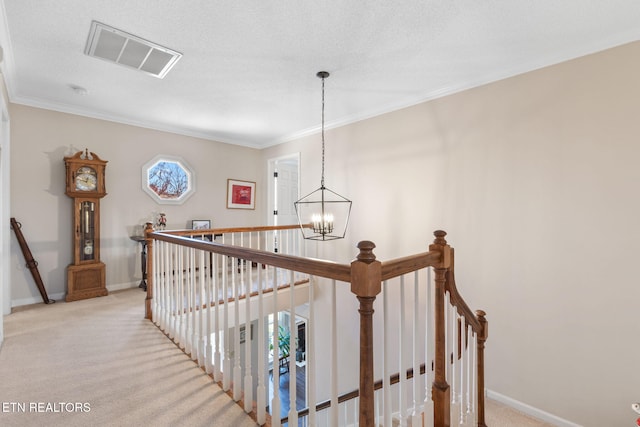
(113, 45)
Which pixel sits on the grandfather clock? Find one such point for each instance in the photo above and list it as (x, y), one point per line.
(85, 185)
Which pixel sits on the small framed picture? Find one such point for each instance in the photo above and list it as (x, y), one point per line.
(200, 224)
(241, 194)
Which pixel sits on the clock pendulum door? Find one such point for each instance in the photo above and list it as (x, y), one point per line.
(86, 276)
(87, 228)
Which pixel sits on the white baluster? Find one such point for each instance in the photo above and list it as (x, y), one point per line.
(345, 413)
(356, 407)
(447, 336)
(418, 406)
(191, 309)
(310, 353)
(161, 276)
(209, 301)
(182, 297)
(429, 353)
(200, 303)
(177, 277)
(197, 308)
(261, 399)
(275, 402)
(177, 285)
(334, 356)
(158, 277)
(460, 372)
(293, 335)
(169, 280)
(226, 366)
(156, 315)
(386, 386)
(158, 312)
(185, 300)
(171, 283)
(455, 398)
(248, 378)
(217, 360)
(237, 368)
(474, 378)
(467, 382)
(377, 406)
(401, 355)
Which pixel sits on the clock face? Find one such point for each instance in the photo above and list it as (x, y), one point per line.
(86, 179)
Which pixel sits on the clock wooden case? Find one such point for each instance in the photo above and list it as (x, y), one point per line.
(85, 184)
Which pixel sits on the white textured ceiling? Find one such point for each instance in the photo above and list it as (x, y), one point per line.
(248, 71)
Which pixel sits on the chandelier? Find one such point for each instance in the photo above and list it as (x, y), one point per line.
(323, 214)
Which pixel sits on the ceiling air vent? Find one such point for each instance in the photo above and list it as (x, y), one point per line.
(113, 45)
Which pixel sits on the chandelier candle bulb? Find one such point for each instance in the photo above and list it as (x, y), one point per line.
(322, 224)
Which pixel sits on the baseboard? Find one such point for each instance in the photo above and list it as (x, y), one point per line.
(121, 286)
(62, 295)
(530, 410)
(36, 299)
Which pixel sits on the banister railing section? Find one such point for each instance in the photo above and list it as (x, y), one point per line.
(256, 311)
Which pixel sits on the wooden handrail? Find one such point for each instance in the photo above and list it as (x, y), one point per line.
(227, 230)
(457, 300)
(314, 267)
(399, 266)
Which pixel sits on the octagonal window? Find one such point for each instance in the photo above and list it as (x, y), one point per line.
(168, 179)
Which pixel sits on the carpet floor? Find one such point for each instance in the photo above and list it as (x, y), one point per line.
(98, 362)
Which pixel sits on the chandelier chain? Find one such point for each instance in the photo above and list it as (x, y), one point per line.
(322, 175)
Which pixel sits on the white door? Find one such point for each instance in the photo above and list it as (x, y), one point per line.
(283, 188)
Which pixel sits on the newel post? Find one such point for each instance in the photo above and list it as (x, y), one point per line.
(440, 390)
(147, 304)
(366, 278)
(482, 339)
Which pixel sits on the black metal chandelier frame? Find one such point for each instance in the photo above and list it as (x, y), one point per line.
(323, 214)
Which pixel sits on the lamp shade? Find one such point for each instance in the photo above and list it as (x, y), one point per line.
(323, 215)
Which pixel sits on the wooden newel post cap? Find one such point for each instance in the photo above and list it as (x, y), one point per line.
(440, 240)
(366, 251)
(366, 272)
(485, 325)
(440, 244)
(148, 228)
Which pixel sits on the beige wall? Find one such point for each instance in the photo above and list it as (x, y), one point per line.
(40, 140)
(536, 180)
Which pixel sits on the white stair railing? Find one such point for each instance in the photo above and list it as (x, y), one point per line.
(202, 300)
(204, 293)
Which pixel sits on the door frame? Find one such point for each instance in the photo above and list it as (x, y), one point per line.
(5, 230)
